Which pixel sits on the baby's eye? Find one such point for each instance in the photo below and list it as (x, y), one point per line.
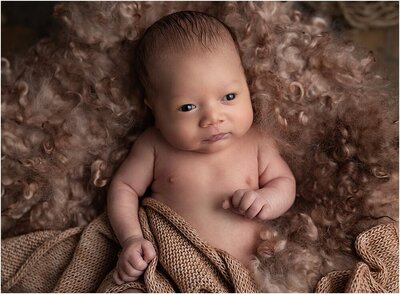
(187, 107)
(229, 97)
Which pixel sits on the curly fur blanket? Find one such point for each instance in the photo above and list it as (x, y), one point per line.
(71, 111)
(79, 259)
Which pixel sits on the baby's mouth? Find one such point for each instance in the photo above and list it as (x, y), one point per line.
(216, 138)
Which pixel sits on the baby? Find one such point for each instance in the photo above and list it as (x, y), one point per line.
(203, 158)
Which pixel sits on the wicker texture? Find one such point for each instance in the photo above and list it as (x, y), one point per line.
(379, 269)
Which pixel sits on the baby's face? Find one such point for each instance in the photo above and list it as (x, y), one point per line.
(200, 100)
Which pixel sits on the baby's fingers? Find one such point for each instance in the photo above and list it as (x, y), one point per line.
(226, 204)
(237, 197)
(121, 277)
(130, 276)
(148, 252)
(254, 209)
(264, 214)
(134, 266)
(248, 200)
(117, 278)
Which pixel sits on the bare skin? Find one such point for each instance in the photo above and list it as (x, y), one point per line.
(200, 199)
(203, 159)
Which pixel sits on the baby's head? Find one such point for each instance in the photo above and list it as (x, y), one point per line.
(189, 65)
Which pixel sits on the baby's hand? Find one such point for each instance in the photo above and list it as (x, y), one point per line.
(136, 254)
(248, 203)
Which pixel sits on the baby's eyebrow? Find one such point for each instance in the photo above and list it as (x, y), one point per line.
(180, 99)
(231, 83)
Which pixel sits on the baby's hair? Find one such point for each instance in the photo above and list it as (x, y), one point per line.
(179, 31)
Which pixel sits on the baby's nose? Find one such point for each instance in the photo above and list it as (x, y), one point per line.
(211, 117)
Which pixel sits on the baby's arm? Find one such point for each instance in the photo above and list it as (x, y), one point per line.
(129, 183)
(277, 188)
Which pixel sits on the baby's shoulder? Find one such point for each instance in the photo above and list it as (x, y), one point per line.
(267, 148)
(261, 139)
(149, 137)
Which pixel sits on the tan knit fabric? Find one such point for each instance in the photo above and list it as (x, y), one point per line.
(379, 269)
(81, 259)
(184, 262)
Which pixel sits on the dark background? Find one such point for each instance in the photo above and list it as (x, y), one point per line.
(23, 23)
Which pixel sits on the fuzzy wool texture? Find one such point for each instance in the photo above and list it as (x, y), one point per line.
(70, 113)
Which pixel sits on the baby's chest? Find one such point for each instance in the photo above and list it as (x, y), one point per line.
(219, 174)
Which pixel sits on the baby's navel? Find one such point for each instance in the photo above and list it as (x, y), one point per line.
(171, 180)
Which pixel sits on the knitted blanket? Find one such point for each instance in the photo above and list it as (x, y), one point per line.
(82, 259)
(378, 270)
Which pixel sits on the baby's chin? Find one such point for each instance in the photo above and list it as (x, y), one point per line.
(207, 147)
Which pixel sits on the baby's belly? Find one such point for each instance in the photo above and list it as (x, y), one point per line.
(195, 187)
(222, 229)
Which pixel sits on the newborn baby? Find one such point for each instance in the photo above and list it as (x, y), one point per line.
(203, 158)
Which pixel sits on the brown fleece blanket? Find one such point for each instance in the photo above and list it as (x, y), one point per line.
(82, 259)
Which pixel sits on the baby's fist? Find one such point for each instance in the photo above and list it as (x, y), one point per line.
(135, 256)
(248, 203)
